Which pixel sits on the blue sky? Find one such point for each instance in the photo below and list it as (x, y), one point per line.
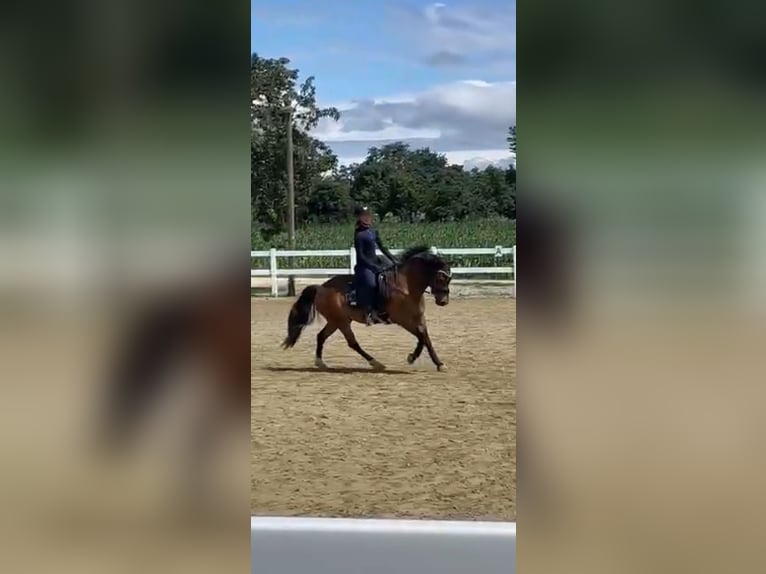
(437, 74)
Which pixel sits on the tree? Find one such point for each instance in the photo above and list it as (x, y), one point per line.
(329, 202)
(275, 93)
(409, 185)
(413, 185)
(510, 176)
(511, 139)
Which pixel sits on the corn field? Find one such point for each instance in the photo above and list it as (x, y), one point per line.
(482, 233)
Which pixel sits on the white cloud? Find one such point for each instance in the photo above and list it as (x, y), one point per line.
(469, 119)
(470, 30)
(469, 159)
(481, 158)
(449, 36)
(335, 133)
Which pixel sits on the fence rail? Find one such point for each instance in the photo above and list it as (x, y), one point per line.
(274, 272)
(351, 545)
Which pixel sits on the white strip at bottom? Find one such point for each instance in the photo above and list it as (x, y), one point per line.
(370, 546)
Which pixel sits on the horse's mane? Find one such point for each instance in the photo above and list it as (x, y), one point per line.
(422, 252)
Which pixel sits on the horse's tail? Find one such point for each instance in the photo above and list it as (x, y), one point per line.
(137, 377)
(301, 315)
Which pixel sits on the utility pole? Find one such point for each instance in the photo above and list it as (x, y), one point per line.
(290, 197)
(290, 187)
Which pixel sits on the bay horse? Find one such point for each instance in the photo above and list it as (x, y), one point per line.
(204, 327)
(405, 285)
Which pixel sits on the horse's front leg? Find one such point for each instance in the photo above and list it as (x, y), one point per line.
(419, 319)
(420, 331)
(423, 330)
(413, 356)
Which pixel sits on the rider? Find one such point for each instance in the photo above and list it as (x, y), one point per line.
(368, 265)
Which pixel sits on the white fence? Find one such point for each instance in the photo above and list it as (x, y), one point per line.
(274, 272)
(350, 546)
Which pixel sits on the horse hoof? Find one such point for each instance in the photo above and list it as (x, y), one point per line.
(377, 366)
(441, 367)
(411, 358)
(320, 364)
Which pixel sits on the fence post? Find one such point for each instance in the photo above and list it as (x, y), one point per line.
(273, 272)
(352, 259)
(515, 283)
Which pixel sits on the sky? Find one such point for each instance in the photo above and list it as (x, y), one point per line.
(436, 74)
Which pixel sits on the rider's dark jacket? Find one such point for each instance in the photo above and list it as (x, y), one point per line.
(366, 240)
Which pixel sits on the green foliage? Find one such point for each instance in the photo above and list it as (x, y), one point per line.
(419, 185)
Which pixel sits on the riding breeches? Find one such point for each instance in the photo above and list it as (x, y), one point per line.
(366, 285)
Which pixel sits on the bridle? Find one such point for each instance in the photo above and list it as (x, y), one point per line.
(445, 291)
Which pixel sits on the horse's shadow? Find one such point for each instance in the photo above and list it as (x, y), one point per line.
(338, 370)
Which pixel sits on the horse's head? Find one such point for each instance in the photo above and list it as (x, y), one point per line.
(440, 284)
(434, 271)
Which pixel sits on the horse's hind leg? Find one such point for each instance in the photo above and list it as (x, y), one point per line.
(322, 336)
(354, 344)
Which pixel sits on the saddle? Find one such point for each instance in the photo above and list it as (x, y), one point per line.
(381, 291)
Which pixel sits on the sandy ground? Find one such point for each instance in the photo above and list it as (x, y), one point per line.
(407, 442)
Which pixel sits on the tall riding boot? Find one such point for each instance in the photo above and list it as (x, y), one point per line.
(371, 315)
